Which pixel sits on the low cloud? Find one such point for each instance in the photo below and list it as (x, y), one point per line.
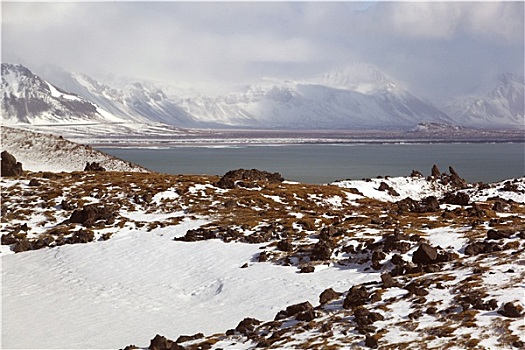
(424, 44)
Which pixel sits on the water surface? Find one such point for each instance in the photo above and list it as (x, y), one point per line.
(321, 163)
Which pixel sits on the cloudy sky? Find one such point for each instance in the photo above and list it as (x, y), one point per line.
(436, 50)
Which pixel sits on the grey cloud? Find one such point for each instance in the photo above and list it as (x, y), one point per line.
(439, 49)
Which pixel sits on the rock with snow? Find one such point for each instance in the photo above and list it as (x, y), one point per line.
(425, 254)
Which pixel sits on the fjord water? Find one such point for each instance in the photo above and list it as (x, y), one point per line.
(321, 163)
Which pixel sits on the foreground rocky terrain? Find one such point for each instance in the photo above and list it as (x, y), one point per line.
(420, 261)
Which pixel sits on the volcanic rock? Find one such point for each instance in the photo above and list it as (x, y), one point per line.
(247, 178)
(456, 198)
(511, 310)
(435, 171)
(162, 343)
(328, 295)
(499, 234)
(247, 326)
(9, 165)
(357, 295)
(92, 213)
(425, 254)
(95, 166)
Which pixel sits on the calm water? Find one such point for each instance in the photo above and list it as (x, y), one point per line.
(324, 163)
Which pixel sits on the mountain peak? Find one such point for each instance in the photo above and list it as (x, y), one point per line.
(360, 77)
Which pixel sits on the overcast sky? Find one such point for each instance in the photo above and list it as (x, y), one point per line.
(436, 50)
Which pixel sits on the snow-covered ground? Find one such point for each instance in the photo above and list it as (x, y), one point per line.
(138, 284)
(138, 281)
(41, 152)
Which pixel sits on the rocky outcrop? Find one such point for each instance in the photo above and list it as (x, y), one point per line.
(248, 178)
(9, 166)
(95, 166)
(91, 214)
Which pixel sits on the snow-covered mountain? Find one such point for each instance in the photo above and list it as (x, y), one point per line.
(503, 106)
(358, 97)
(27, 98)
(134, 101)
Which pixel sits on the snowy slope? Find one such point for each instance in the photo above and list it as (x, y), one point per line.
(140, 281)
(135, 101)
(503, 106)
(40, 152)
(308, 105)
(29, 99)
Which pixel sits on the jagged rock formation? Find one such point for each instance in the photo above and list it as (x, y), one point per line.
(10, 167)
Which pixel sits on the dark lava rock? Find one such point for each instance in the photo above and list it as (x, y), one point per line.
(328, 295)
(414, 289)
(92, 213)
(456, 198)
(499, 234)
(66, 205)
(285, 245)
(431, 310)
(22, 246)
(357, 295)
(435, 171)
(34, 183)
(371, 342)
(306, 316)
(307, 269)
(481, 247)
(455, 179)
(95, 166)
(247, 178)
(81, 236)
(185, 338)
(425, 254)
(162, 343)
(247, 326)
(383, 186)
(430, 204)
(321, 251)
(416, 173)
(297, 308)
(511, 310)
(387, 280)
(9, 165)
(263, 256)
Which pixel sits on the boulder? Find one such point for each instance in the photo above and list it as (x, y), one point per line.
(511, 310)
(9, 165)
(162, 343)
(248, 178)
(321, 251)
(425, 254)
(95, 166)
(328, 295)
(456, 198)
(387, 280)
(435, 172)
(247, 326)
(499, 234)
(185, 338)
(357, 296)
(92, 213)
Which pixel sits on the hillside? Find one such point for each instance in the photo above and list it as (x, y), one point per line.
(502, 106)
(108, 259)
(45, 152)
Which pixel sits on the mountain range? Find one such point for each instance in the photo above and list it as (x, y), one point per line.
(359, 96)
